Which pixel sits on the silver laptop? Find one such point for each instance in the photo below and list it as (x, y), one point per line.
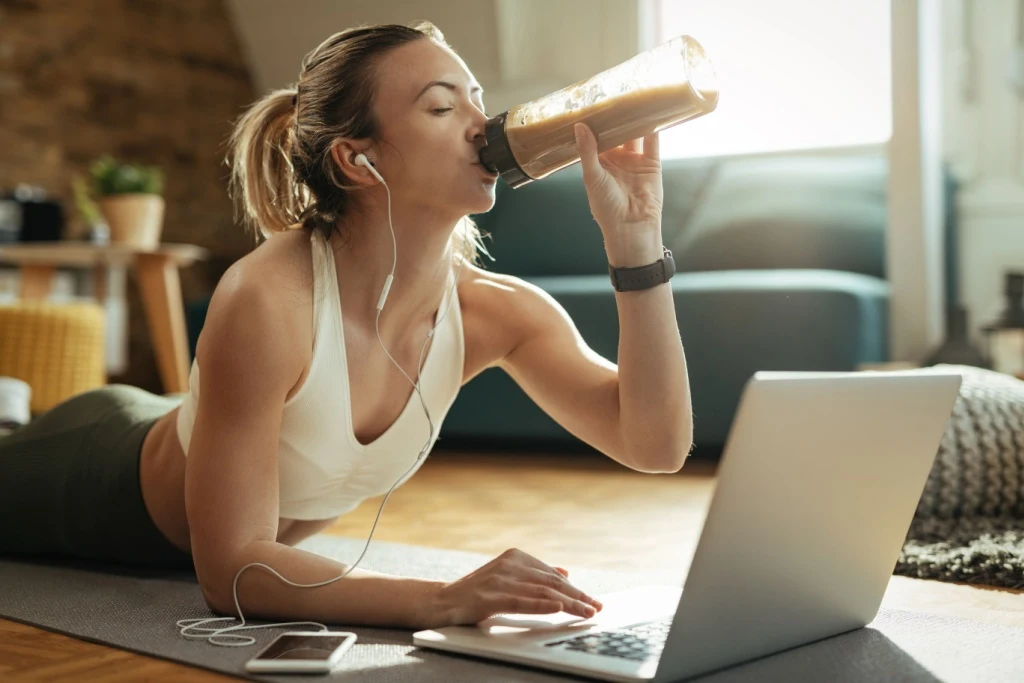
(817, 487)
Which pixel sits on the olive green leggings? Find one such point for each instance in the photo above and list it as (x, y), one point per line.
(69, 482)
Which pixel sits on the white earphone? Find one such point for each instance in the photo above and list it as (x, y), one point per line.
(211, 634)
(361, 160)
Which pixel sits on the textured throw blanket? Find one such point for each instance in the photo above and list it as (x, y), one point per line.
(969, 524)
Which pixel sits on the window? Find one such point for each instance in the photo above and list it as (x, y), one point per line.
(793, 74)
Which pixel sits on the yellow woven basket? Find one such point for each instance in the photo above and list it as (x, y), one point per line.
(58, 348)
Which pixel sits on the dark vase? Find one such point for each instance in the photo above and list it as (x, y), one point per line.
(1009, 323)
(957, 348)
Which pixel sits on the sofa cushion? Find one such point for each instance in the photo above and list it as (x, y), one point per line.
(790, 212)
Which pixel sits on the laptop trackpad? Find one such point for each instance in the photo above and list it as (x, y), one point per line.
(620, 609)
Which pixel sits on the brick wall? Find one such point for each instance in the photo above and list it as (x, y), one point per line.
(150, 81)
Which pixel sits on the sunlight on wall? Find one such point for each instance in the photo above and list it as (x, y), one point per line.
(793, 74)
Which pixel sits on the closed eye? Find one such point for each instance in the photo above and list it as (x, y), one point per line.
(442, 110)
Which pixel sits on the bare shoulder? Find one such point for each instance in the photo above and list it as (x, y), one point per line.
(499, 295)
(281, 265)
(263, 302)
(496, 309)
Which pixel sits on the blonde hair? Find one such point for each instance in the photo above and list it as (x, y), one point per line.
(282, 171)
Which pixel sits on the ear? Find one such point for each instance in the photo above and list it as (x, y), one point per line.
(344, 152)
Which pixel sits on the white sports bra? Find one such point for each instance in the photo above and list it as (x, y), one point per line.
(323, 470)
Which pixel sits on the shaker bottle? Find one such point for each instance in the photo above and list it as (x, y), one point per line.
(668, 84)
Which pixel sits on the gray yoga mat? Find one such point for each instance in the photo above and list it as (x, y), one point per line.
(137, 609)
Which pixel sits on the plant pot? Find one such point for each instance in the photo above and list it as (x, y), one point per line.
(134, 219)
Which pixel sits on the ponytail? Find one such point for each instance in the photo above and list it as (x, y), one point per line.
(268, 198)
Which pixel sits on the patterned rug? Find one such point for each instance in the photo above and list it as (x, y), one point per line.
(979, 550)
(969, 524)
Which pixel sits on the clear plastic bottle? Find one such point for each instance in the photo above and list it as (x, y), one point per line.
(657, 89)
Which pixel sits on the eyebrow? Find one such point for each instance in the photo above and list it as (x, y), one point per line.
(449, 86)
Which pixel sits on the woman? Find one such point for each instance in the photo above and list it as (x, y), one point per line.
(267, 449)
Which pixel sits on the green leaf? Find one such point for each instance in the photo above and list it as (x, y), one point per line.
(110, 177)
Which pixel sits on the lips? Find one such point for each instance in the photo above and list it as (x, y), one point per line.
(486, 170)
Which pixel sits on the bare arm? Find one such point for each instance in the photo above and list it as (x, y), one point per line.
(249, 360)
(363, 598)
(609, 406)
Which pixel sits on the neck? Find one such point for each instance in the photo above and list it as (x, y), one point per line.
(424, 260)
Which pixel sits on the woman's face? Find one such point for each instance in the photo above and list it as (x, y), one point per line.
(431, 131)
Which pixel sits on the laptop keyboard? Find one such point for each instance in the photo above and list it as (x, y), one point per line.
(640, 641)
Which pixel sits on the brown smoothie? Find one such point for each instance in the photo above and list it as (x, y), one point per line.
(540, 133)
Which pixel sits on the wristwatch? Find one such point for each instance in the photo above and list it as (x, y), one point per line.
(643, 277)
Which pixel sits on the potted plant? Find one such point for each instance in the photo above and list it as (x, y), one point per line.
(130, 197)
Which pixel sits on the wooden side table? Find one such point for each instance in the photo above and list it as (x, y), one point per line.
(157, 274)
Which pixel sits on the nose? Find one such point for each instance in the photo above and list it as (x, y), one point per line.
(479, 142)
(476, 132)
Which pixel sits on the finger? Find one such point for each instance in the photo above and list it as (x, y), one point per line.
(530, 563)
(652, 147)
(559, 584)
(569, 604)
(562, 571)
(633, 145)
(532, 570)
(521, 604)
(586, 144)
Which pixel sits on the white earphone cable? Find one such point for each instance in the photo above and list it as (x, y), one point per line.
(193, 628)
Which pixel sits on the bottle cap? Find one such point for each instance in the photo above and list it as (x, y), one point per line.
(497, 155)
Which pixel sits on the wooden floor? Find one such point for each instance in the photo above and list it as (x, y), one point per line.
(578, 510)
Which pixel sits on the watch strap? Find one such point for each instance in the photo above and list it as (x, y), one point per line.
(643, 277)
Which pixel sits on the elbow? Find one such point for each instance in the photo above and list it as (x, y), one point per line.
(217, 572)
(213, 600)
(216, 584)
(659, 450)
(675, 466)
(217, 596)
(209, 576)
(670, 467)
(684, 453)
(662, 459)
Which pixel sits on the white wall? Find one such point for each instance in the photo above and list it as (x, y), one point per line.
(914, 239)
(517, 49)
(984, 139)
